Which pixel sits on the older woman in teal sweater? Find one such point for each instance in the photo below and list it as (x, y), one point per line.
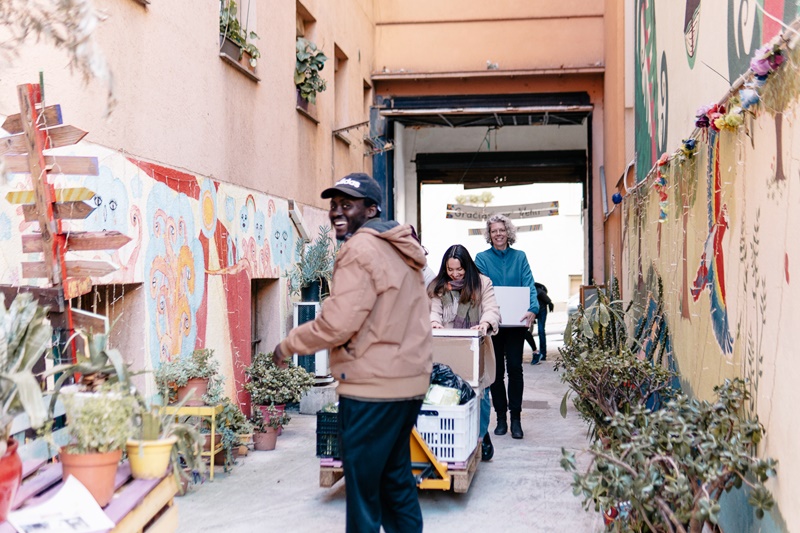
(508, 267)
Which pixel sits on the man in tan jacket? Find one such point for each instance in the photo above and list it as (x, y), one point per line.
(376, 325)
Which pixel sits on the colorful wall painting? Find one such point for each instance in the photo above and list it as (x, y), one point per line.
(197, 244)
(726, 250)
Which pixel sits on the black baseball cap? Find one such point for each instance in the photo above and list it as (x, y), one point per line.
(356, 185)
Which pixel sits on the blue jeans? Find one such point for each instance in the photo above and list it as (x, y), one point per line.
(486, 413)
(541, 318)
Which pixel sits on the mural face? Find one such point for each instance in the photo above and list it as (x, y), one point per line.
(281, 240)
(175, 268)
(110, 201)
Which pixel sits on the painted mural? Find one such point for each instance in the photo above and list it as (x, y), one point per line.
(712, 221)
(197, 245)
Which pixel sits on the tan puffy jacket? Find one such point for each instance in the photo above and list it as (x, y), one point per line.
(490, 314)
(376, 320)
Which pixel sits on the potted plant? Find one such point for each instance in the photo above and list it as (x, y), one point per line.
(99, 424)
(234, 428)
(25, 335)
(266, 426)
(235, 40)
(198, 372)
(159, 440)
(311, 275)
(603, 372)
(670, 467)
(269, 384)
(310, 62)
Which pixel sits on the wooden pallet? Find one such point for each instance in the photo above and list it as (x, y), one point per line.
(139, 505)
(462, 479)
(329, 475)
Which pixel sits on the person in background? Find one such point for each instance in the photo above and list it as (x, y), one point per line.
(463, 298)
(375, 322)
(508, 267)
(427, 273)
(545, 304)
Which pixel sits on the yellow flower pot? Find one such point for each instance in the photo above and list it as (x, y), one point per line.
(150, 458)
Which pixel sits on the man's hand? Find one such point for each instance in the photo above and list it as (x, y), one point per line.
(528, 319)
(281, 361)
(436, 325)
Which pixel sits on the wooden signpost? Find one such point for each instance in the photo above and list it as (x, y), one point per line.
(471, 212)
(34, 129)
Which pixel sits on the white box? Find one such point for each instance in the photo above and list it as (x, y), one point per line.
(514, 303)
(451, 432)
(460, 349)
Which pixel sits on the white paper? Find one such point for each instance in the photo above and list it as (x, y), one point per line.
(514, 303)
(71, 510)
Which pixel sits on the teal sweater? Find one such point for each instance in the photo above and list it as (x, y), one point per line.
(508, 268)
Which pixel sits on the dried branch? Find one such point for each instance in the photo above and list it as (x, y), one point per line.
(68, 25)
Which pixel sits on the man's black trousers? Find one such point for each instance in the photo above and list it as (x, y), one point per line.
(381, 490)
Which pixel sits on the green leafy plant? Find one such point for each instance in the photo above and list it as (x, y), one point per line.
(315, 263)
(310, 62)
(99, 421)
(25, 336)
(269, 384)
(604, 374)
(153, 423)
(102, 365)
(274, 420)
(230, 28)
(232, 424)
(671, 466)
(172, 375)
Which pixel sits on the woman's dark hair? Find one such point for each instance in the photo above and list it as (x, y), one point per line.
(472, 276)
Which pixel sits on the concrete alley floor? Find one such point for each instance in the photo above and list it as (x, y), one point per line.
(522, 489)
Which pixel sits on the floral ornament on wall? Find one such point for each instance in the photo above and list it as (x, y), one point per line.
(766, 60)
(660, 185)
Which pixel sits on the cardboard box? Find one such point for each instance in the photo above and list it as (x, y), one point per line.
(460, 349)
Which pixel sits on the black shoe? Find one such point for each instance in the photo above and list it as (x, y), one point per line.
(502, 426)
(536, 359)
(544, 357)
(516, 429)
(487, 448)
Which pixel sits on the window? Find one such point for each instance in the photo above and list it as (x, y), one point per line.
(340, 87)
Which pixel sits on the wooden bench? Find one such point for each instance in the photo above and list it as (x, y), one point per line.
(138, 505)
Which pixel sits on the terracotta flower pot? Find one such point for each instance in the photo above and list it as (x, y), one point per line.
(149, 459)
(10, 477)
(200, 386)
(265, 441)
(95, 470)
(281, 407)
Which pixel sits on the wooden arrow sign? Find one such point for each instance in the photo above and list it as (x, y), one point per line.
(463, 215)
(55, 164)
(95, 269)
(74, 287)
(51, 113)
(54, 138)
(73, 194)
(80, 241)
(62, 211)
